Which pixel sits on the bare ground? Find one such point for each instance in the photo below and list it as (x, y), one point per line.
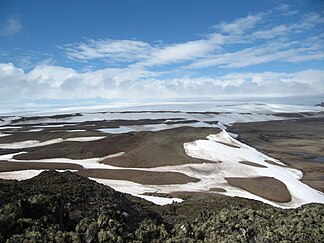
(297, 143)
(139, 176)
(15, 166)
(142, 149)
(265, 187)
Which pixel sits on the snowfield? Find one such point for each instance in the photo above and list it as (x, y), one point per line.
(224, 154)
(230, 112)
(223, 151)
(215, 148)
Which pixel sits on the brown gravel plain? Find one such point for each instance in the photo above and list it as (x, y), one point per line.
(296, 142)
(299, 143)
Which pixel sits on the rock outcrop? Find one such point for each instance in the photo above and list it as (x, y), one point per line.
(65, 207)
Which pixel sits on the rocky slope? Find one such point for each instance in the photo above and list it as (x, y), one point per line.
(65, 207)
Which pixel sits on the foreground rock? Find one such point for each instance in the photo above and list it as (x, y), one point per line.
(64, 207)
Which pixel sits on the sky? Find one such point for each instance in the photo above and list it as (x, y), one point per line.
(95, 51)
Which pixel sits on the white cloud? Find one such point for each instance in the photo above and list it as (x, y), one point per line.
(280, 51)
(244, 42)
(9, 70)
(255, 42)
(186, 51)
(142, 53)
(183, 51)
(285, 10)
(276, 31)
(283, 7)
(59, 82)
(111, 50)
(53, 76)
(11, 27)
(309, 22)
(241, 25)
(313, 19)
(305, 82)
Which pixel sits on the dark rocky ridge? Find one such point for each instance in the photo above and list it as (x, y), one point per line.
(320, 104)
(54, 117)
(65, 207)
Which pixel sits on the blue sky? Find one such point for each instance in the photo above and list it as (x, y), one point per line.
(74, 50)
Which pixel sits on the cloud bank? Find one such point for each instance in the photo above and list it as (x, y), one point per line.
(48, 81)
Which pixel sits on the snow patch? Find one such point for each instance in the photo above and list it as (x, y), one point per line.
(20, 175)
(29, 144)
(137, 190)
(84, 139)
(10, 127)
(35, 130)
(23, 174)
(161, 200)
(36, 143)
(152, 127)
(92, 163)
(4, 135)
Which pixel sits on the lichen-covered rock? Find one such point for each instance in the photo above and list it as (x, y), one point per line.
(50, 208)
